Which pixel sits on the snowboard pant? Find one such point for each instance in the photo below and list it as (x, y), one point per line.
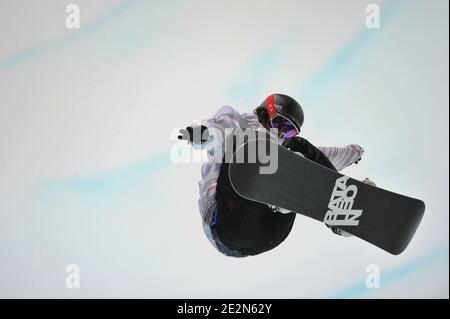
(245, 226)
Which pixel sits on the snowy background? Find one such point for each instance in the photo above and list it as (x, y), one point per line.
(86, 116)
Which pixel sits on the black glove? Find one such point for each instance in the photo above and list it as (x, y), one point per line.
(357, 161)
(194, 135)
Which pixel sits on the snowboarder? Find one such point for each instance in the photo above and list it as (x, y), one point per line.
(239, 227)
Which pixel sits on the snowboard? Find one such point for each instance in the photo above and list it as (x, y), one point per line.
(383, 218)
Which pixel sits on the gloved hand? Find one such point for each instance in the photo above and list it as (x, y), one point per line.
(361, 152)
(199, 134)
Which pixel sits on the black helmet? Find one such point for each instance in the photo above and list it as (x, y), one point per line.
(286, 106)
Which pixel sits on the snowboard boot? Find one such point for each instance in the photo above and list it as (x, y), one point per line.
(369, 182)
(340, 232)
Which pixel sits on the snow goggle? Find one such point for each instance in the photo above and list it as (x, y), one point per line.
(284, 126)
